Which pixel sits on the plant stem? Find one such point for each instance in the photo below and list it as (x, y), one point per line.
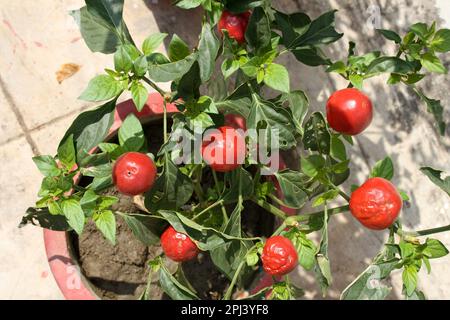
(272, 209)
(197, 187)
(422, 233)
(280, 229)
(331, 212)
(216, 183)
(165, 120)
(154, 86)
(344, 195)
(229, 292)
(215, 204)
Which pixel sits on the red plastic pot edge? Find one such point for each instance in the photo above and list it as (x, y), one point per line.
(65, 270)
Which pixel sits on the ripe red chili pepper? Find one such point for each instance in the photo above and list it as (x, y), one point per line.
(178, 246)
(235, 24)
(224, 149)
(279, 256)
(376, 204)
(349, 111)
(134, 173)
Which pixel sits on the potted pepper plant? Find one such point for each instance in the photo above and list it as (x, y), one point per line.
(189, 183)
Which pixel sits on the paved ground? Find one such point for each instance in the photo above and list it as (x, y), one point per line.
(39, 37)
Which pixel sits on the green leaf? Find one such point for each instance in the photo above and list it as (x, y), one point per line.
(311, 57)
(144, 227)
(153, 42)
(106, 223)
(324, 197)
(312, 165)
(229, 67)
(317, 137)
(122, 60)
(66, 153)
(292, 184)
(435, 108)
(102, 87)
(389, 65)
(432, 63)
(98, 36)
(338, 150)
(390, 35)
(338, 67)
(420, 29)
(176, 187)
(322, 268)
(107, 11)
(435, 177)
(89, 202)
(298, 104)
(140, 66)
(258, 32)
(188, 4)
(208, 49)
(178, 49)
(410, 277)
(368, 285)
(47, 166)
(139, 93)
(434, 249)
(90, 128)
(292, 26)
(321, 31)
(383, 169)
(277, 77)
(74, 214)
(131, 134)
(173, 288)
(441, 41)
(189, 84)
(306, 249)
(356, 80)
(276, 119)
(173, 70)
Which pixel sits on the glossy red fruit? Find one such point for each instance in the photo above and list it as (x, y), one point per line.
(236, 121)
(224, 149)
(349, 111)
(134, 173)
(279, 256)
(235, 24)
(376, 204)
(178, 246)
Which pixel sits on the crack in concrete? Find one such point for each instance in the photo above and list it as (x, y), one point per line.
(9, 98)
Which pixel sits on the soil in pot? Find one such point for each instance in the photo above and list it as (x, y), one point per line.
(121, 272)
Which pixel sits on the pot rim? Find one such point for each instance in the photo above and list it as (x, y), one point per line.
(63, 265)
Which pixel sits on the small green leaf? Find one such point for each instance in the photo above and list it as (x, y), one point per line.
(324, 197)
(144, 227)
(140, 66)
(436, 109)
(389, 65)
(122, 60)
(435, 177)
(74, 214)
(434, 249)
(229, 66)
(178, 49)
(258, 33)
(317, 137)
(390, 35)
(173, 287)
(106, 223)
(292, 183)
(383, 169)
(66, 153)
(252, 259)
(47, 166)
(139, 93)
(312, 165)
(432, 63)
(207, 52)
(171, 71)
(338, 67)
(410, 277)
(404, 195)
(357, 81)
(338, 148)
(441, 41)
(102, 87)
(153, 42)
(131, 134)
(277, 77)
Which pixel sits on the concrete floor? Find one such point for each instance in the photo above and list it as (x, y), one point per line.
(39, 37)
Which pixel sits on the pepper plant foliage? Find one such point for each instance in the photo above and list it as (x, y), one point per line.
(178, 197)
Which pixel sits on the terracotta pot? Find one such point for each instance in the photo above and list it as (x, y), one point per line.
(63, 264)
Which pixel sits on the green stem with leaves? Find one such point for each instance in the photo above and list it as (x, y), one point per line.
(423, 233)
(216, 184)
